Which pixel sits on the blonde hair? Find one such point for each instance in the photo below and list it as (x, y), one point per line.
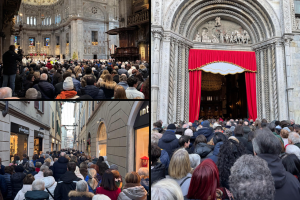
(180, 164)
(92, 181)
(36, 74)
(77, 70)
(48, 160)
(284, 133)
(103, 74)
(120, 92)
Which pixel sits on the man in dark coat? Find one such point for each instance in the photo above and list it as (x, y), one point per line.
(10, 59)
(57, 77)
(17, 180)
(66, 183)
(238, 133)
(3, 186)
(37, 193)
(1, 168)
(41, 159)
(91, 90)
(45, 88)
(157, 169)
(205, 130)
(60, 166)
(168, 141)
(267, 146)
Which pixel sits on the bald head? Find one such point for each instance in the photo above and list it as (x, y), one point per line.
(44, 77)
(5, 92)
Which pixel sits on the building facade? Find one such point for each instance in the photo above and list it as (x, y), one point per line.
(24, 129)
(65, 28)
(55, 130)
(118, 130)
(269, 28)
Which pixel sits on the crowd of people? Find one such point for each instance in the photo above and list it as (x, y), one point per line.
(73, 79)
(225, 159)
(70, 175)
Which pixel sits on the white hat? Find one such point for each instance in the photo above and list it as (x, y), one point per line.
(68, 84)
(188, 132)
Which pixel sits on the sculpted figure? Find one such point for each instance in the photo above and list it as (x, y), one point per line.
(205, 38)
(218, 21)
(198, 37)
(215, 39)
(246, 37)
(221, 37)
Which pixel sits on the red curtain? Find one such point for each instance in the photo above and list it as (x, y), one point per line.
(200, 58)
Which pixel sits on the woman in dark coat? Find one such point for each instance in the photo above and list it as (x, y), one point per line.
(57, 77)
(17, 180)
(108, 86)
(201, 148)
(8, 172)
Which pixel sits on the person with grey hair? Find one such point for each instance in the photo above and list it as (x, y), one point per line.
(294, 139)
(37, 193)
(5, 92)
(123, 71)
(32, 93)
(166, 189)
(123, 81)
(50, 183)
(251, 179)
(293, 149)
(47, 89)
(40, 175)
(195, 160)
(81, 191)
(268, 147)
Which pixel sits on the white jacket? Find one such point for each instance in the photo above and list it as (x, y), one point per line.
(39, 175)
(50, 184)
(21, 193)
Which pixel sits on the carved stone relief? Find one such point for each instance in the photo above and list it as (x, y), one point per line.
(225, 32)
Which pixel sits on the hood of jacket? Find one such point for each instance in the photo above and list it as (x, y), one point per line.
(135, 192)
(49, 181)
(36, 195)
(168, 136)
(18, 177)
(69, 177)
(123, 83)
(277, 169)
(91, 90)
(110, 85)
(62, 159)
(26, 188)
(74, 193)
(202, 149)
(217, 148)
(158, 172)
(207, 132)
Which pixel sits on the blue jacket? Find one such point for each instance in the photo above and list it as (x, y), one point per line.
(164, 159)
(2, 170)
(214, 157)
(207, 132)
(77, 84)
(60, 167)
(47, 89)
(93, 91)
(41, 160)
(123, 84)
(9, 186)
(123, 71)
(3, 185)
(169, 142)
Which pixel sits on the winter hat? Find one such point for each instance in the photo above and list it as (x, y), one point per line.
(278, 127)
(19, 168)
(232, 128)
(68, 84)
(205, 124)
(114, 167)
(171, 126)
(286, 128)
(216, 125)
(246, 129)
(188, 132)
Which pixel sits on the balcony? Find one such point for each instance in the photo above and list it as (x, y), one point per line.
(138, 18)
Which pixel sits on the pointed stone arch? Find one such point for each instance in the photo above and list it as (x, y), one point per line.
(101, 141)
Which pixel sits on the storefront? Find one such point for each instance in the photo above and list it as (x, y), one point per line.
(18, 140)
(141, 131)
(38, 142)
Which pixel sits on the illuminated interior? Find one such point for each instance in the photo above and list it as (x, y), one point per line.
(36, 145)
(141, 146)
(102, 150)
(18, 144)
(102, 140)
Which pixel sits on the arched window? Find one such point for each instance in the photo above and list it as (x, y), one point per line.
(27, 20)
(31, 20)
(34, 21)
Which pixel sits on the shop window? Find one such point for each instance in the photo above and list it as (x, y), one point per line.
(102, 140)
(141, 146)
(18, 145)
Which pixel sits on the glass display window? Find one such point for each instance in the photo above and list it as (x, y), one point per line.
(141, 146)
(18, 145)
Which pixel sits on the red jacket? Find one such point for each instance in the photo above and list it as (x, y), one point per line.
(49, 66)
(113, 195)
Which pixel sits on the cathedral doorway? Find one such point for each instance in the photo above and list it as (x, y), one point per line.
(223, 96)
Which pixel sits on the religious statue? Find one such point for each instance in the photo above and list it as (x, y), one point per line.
(218, 21)
(215, 39)
(198, 37)
(246, 37)
(221, 37)
(205, 38)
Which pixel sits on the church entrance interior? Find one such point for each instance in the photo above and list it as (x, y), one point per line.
(223, 96)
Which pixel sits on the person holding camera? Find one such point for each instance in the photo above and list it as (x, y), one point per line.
(10, 59)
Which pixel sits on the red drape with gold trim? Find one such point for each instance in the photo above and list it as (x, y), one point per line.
(200, 58)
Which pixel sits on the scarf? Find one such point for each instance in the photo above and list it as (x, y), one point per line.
(37, 169)
(66, 94)
(130, 185)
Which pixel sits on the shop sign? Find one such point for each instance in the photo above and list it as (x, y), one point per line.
(38, 134)
(17, 128)
(142, 119)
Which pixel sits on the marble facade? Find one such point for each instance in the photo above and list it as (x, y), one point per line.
(273, 32)
(78, 19)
